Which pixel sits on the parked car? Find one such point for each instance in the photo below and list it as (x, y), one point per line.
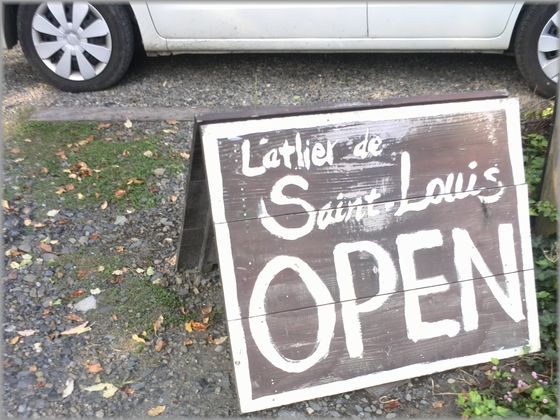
(81, 46)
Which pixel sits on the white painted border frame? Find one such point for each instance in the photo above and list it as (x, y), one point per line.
(210, 135)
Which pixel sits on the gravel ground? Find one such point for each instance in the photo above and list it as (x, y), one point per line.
(276, 79)
(190, 376)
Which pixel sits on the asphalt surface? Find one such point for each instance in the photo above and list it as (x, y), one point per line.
(238, 80)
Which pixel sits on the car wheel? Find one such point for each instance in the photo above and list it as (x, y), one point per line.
(537, 46)
(77, 46)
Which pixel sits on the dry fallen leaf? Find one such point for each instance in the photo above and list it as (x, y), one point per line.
(148, 153)
(27, 222)
(117, 273)
(120, 193)
(173, 198)
(26, 333)
(95, 291)
(158, 323)
(69, 388)
(160, 345)
(128, 124)
(171, 122)
(103, 126)
(150, 271)
(74, 317)
(198, 326)
(438, 404)
(207, 310)
(61, 155)
(80, 329)
(104, 205)
(108, 389)
(188, 342)
(188, 326)
(45, 247)
(135, 181)
(220, 340)
(44, 170)
(94, 368)
(128, 390)
(156, 411)
(14, 340)
(138, 339)
(185, 155)
(391, 405)
(77, 293)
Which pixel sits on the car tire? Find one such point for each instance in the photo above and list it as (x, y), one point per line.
(93, 55)
(537, 46)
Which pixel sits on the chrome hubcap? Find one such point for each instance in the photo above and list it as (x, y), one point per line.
(72, 39)
(549, 48)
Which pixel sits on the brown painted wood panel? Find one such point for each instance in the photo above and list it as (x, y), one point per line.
(386, 346)
(254, 247)
(461, 145)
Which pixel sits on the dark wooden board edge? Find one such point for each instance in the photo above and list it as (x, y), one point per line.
(193, 240)
(291, 110)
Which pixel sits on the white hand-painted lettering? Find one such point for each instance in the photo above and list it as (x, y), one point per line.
(369, 146)
(414, 287)
(438, 190)
(325, 312)
(306, 156)
(350, 309)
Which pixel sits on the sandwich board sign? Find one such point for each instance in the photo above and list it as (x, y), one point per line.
(364, 245)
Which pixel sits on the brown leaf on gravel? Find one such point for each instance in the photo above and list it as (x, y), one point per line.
(119, 249)
(197, 326)
(156, 411)
(137, 339)
(128, 390)
(80, 329)
(188, 342)
(93, 368)
(185, 155)
(173, 198)
(45, 247)
(160, 345)
(77, 293)
(74, 317)
(15, 340)
(95, 237)
(120, 193)
(60, 190)
(103, 126)
(438, 404)
(220, 340)
(171, 122)
(158, 323)
(82, 274)
(114, 317)
(69, 187)
(207, 310)
(44, 170)
(391, 405)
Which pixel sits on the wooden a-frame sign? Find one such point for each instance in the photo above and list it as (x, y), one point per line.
(364, 244)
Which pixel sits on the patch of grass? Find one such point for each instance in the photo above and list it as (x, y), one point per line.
(138, 302)
(82, 166)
